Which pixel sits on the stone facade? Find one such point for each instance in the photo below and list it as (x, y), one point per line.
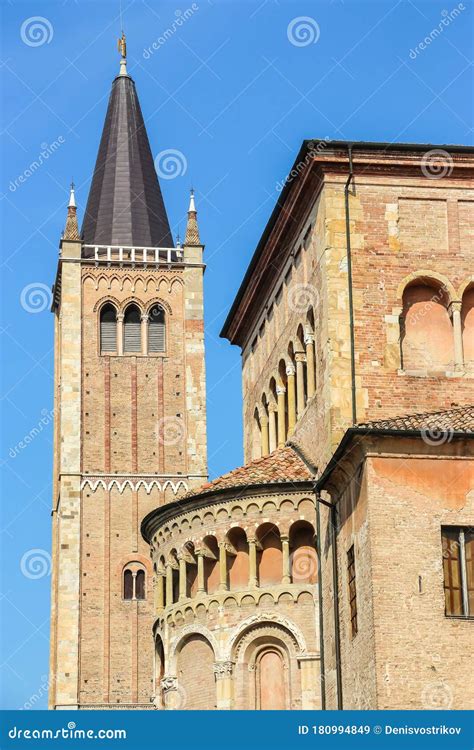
(406, 231)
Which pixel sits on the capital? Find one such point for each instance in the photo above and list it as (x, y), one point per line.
(308, 338)
(281, 390)
(300, 357)
(290, 370)
(169, 683)
(223, 669)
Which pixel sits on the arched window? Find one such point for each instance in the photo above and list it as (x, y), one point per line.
(304, 562)
(140, 584)
(132, 336)
(239, 562)
(108, 329)
(211, 564)
(426, 329)
(270, 556)
(156, 329)
(134, 582)
(128, 584)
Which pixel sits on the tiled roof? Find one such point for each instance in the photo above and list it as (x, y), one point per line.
(458, 419)
(283, 465)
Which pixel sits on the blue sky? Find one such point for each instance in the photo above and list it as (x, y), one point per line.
(235, 88)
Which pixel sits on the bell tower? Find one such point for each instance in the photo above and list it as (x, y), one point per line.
(130, 412)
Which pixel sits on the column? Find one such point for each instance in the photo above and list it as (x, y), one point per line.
(222, 566)
(159, 592)
(300, 404)
(169, 584)
(172, 699)
(455, 310)
(201, 589)
(264, 435)
(286, 574)
(310, 672)
(310, 369)
(272, 427)
(290, 373)
(120, 333)
(224, 684)
(253, 580)
(281, 393)
(182, 578)
(144, 332)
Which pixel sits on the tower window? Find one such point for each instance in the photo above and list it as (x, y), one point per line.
(132, 337)
(128, 584)
(140, 585)
(134, 582)
(156, 329)
(458, 569)
(108, 329)
(351, 578)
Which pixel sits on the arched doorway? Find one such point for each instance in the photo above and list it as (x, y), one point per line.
(271, 685)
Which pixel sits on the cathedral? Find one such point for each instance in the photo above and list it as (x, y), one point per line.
(335, 569)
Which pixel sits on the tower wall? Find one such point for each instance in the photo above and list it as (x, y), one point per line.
(65, 627)
(136, 441)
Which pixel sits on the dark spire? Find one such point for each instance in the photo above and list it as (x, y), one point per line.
(125, 205)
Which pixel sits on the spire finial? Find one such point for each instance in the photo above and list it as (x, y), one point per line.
(192, 229)
(192, 205)
(72, 197)
(71, 231)
(122, 48)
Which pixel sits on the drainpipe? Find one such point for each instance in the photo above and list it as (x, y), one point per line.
(320, 602)
(335, 579)
(349, 180)
(335, 585)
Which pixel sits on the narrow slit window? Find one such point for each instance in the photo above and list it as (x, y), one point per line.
(458, 570)
(128, 584)
(351, 578)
